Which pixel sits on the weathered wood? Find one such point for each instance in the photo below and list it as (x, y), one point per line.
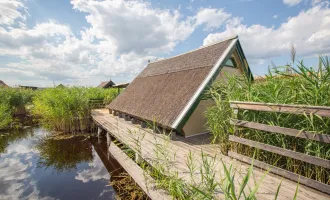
(285, 131)
(145, 181)
(179, 149)
(284, 152)
(282, 108)
(287, 174)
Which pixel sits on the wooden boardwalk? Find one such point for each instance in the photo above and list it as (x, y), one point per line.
(147, 144)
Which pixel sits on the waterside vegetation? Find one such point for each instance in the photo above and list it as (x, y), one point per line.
(306, 86)
(61, 109)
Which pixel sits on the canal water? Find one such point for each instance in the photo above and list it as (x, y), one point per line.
(35, 164)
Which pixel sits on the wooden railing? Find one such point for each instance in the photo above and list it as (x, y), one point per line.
(290, 109)
(96, 103)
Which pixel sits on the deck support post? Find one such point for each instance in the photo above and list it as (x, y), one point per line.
(133, 120)
(110, 111)
(172, 135)
(127, 118)
(155, 129)
(138, 158)
(100, 133)
(108, 139)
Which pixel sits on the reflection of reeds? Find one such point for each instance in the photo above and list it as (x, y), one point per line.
(63, 152)
(309, 86)
(68, 109)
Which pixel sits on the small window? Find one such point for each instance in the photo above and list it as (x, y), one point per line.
(231, 63)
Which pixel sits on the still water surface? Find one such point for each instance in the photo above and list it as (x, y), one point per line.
(35, 164)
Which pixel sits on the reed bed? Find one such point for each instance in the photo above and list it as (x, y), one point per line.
(306, 86)
(68, 108)
(11, 101)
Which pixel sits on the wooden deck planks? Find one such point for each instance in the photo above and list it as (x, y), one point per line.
(146, 182)
(129, 133)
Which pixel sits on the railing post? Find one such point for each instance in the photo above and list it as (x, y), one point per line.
(234, 116)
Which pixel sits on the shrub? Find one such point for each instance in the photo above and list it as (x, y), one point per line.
(68, 109)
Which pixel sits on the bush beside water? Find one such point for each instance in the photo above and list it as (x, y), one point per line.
(68, 109)
(12, 100)
(308, 86)
(61, 109)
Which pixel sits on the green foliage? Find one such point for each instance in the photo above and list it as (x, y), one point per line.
(67, 109)
(308, 86)
(12, 99)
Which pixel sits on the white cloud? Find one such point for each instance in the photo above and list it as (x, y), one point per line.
(96, 172)
(133, 26)
(292, 2)
(262, 42)
(11, 11)
(275, 16)
(122, 37)
(213, 18)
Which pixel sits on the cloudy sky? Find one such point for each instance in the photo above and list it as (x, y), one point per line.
(82, 42)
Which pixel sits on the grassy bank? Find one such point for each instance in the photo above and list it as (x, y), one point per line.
(308, 86)
(68, 109)
(13, 100)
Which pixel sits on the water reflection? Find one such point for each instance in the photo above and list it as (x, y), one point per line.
(36, 165)
(63, 152)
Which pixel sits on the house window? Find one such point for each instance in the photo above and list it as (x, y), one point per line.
(231, 63)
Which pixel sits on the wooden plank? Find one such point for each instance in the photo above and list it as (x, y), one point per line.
(179, 149)
(284, 152)
(285, 131)
(287, 174)
(323, 111)
(145, 181)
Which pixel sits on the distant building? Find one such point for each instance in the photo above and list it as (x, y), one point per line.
(3, 84)
(60, 86)
(28, 87)
(106, 84)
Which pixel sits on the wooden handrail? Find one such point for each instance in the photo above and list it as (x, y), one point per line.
(285, 131)
(323, 111)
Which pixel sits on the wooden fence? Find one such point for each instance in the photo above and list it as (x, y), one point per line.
(291, 109)
(96, 103)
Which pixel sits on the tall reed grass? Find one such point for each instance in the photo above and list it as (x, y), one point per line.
(68, 108)
(307, 86)
(12, 100)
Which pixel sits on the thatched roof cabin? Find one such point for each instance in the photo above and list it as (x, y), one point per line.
(106, 84)
(3, 84)
(169, 91)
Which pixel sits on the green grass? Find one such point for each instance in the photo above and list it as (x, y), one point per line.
(68, 109)
(11, 100)
(310, 86)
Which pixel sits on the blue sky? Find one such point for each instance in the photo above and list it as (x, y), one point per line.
(83, 42)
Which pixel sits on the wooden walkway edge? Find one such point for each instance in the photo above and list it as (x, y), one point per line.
(145, 181)
(180, 148)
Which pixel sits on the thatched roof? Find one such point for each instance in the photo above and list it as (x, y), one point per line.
(165, 89)
(106, 84)
(3, 84)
